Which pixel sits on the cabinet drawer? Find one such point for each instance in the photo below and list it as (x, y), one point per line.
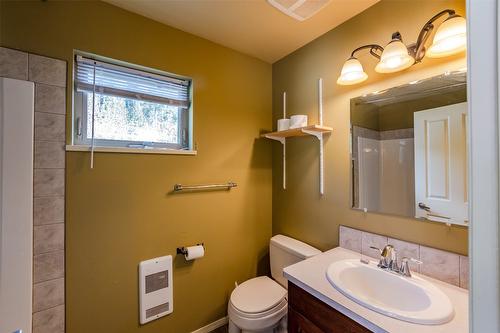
(323, 316)
(297, 323)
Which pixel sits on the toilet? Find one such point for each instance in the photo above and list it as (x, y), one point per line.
(260, 304)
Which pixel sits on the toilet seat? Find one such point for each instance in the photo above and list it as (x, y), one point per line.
(257, 295)
(273, 310)
(257, 304)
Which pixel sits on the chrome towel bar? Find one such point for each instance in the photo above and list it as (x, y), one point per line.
(227, 186)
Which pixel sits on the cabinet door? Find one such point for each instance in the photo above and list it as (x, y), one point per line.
(297, 323)
(313, 316)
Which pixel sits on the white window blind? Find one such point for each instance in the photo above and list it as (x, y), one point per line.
(111, 79)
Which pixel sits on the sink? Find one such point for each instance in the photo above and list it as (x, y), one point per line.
(411, 299)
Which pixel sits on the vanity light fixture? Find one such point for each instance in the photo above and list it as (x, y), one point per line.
(352, 71)
(395, 56)
(450, 38)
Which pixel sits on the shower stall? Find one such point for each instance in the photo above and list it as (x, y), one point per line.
(16, 204)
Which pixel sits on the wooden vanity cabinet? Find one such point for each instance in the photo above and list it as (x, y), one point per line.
(307, 314)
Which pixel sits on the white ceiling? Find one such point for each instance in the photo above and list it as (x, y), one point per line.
(253, 27)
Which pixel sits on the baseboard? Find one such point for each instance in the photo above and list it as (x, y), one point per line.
(212, 326)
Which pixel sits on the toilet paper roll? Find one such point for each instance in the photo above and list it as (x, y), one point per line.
(194, 252)
(283, 124)
(297, 121)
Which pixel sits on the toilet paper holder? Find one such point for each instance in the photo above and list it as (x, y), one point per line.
(182, 250)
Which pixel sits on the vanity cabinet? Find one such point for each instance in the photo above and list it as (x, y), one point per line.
(307, 314)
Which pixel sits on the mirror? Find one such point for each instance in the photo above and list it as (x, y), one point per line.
(409, 150)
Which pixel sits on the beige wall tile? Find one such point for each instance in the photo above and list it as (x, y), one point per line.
(48, 182)
(48, 294)
(406, 249)
(49, 154)
(397, 134)
(13, 64)
(49, 321)
(464, 272)
(50, 127)
(368, 239)
(48, 238)
(47, 70)
(47, 210)
(50, 99)
(442, 265)
(350, 238)
(48, 266)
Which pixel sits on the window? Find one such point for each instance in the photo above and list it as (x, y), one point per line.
(124, 106)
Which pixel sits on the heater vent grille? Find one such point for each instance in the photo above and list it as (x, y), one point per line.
(157, 310)
(156, 281)
(299, 9)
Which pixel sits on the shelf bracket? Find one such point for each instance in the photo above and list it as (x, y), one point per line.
(277, 138)
(319, 136)
(282, 140)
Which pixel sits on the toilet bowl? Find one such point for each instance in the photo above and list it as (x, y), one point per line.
(260, 304)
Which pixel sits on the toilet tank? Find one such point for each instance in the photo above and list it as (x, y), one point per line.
(285, 251)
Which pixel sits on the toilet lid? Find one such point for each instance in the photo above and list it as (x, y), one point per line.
(257, 295)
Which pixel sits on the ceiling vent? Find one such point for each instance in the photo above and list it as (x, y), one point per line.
(299, 9)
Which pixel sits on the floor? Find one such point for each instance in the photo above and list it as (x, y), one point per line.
(222, 329)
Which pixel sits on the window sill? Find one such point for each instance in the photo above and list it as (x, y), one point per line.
(126, 150)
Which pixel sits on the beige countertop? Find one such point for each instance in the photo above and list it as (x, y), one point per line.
(310, 275)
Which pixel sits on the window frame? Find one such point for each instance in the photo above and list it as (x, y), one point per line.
(79, 140)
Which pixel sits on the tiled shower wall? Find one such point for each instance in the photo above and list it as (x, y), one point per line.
(49, 76)
(442, 265)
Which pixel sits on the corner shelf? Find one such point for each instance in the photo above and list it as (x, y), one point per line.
(315, 130)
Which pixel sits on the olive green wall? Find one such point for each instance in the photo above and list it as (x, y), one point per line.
(400, 115)
(300, 211)
(121, 212)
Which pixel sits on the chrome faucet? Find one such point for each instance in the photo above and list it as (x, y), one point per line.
(388, 261)
(388, 257)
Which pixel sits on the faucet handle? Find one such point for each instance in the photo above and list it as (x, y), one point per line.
(405, 267)
(416, 261)
(387, 256)
(387, 251)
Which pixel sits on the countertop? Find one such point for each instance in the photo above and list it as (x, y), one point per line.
(310, 275)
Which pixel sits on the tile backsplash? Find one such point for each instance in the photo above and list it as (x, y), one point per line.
(446, 266)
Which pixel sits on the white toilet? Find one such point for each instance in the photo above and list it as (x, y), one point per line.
(260, 304)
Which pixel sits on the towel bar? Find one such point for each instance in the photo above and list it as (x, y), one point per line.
(180, 187)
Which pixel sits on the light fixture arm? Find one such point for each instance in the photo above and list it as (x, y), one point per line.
(373, 48)
(418, 49)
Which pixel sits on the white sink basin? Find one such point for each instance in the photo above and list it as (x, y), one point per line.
(411, 299)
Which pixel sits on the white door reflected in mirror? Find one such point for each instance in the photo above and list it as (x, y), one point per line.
(441, 164)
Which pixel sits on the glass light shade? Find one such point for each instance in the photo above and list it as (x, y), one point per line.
(394, 58)
(450, 38)
(352, 73)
